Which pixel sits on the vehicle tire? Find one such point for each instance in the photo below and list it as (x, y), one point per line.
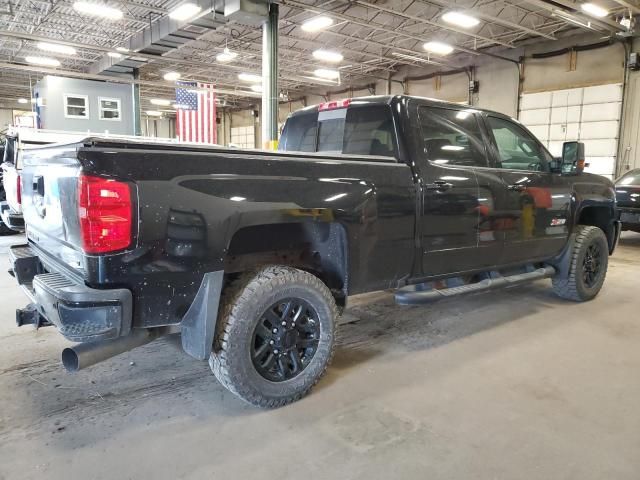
(275, 335)
(4, 230)
(588, 266)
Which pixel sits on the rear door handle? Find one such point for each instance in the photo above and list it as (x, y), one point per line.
(516, 187)
(439, 185)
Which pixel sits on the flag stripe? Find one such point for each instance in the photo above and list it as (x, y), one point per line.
(196, 119)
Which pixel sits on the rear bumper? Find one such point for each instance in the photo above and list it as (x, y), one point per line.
(80, 313)
(11, 219)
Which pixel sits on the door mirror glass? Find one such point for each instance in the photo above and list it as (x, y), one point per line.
(573, 157)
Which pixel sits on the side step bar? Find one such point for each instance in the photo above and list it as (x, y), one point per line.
(412, 295)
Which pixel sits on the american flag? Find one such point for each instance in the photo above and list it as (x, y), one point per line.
(196, 113)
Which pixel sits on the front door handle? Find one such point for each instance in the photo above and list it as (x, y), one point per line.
(439, 185)
(516, 187)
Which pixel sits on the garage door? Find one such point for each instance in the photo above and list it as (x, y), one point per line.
(589, 114)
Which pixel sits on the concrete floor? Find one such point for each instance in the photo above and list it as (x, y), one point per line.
(513, 385)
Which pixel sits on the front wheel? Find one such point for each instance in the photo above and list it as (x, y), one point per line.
(275, 335)
(588, 266)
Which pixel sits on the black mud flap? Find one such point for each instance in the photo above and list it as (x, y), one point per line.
(199, 323)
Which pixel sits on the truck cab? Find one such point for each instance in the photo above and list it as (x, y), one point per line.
(489, 193)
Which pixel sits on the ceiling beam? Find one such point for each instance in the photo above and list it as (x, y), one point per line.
(418, 19)
(493, 19)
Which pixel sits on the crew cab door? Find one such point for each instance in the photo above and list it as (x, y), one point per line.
(451, 147)
(535, 205)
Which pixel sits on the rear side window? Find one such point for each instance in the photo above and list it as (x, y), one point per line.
(452, 137)
(299, 134)
(369, 131)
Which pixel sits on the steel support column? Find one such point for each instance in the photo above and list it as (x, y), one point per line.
(135, 87)
(270, 79)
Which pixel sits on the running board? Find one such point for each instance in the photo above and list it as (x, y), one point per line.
(411, 295)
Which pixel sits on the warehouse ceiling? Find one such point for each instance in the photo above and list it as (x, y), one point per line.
(375, 38)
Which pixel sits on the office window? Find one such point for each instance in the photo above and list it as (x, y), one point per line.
(76, 106)
(109, 108)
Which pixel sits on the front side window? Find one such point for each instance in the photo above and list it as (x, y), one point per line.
(109, 108)
(451, 137)
(517, 149)
(76, 106)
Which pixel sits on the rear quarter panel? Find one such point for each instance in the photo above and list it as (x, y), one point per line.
(216, 195)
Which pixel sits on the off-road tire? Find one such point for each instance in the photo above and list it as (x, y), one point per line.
(4, 230)
(572, 286)
(244, 302)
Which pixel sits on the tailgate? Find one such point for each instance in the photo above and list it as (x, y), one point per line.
(49, 202)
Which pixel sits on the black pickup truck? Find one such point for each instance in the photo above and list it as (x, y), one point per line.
(250, 255)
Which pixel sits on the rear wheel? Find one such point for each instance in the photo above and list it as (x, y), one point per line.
(4, 230)
(275, 335)
(587, 268)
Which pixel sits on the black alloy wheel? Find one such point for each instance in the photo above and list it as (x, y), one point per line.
(592, 265)
(285, 339)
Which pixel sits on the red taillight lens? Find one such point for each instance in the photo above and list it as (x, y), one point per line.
(18, 190)
(106, 214)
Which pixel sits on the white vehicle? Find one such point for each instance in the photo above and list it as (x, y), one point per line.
(19, 139)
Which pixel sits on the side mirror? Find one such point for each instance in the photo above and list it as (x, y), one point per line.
(573, 157)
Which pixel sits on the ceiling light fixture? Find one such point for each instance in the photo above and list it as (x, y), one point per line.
(122, 49)
(44, 61)
(23, 100)
(595, 10)
(317, 23)
(438, 48)
(460, 19)
(153, 113)
(171, 76)
(327, 73)
(226, 56)
(114, 54)
(56, 48)
(185, 11)
(250, 77)
(256, 88)
(327, 56)
(98, 10)
(160, 101)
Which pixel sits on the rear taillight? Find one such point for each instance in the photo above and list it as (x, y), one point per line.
(18, 190)
(106, 214)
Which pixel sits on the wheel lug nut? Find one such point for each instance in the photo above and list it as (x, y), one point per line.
(276, 351)
(284, 324)
(271, 342)
(275, 330)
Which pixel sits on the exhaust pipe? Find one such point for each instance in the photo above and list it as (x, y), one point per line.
(84, 355)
